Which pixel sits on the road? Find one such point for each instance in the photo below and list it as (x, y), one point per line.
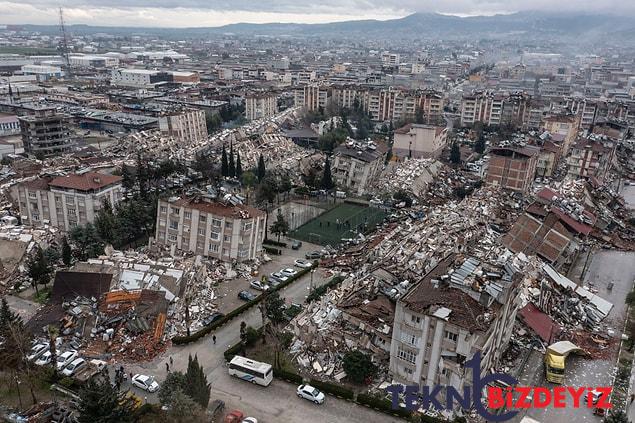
(276, 403)
(605, 266)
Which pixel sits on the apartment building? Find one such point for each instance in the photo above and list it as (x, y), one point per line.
(9, 125)
(311, 97)
(495, 109)
(211, 228)
(187, 125)
(445, 319)
(144, 78)
(512, 168)
(260, 106)
(356, 165)
(419, 141)
(390, 59)
(566, 125)
(548, 159)
(45, 132)
(590, 158)
(66, 201)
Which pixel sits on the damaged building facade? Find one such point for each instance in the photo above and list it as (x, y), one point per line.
(211, 228)
(460, 307)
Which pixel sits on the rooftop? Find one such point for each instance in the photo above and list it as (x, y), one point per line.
(85, 182)
(216, 208)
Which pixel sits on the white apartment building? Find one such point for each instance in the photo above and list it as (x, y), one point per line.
(9, 125)
(311, 97)
(260, 106)
(211, 228)
(355, 166)
(138, 78)
(419, 141)
(390, 59)
(187, 126)
(442, 322)
(93, 61)
(66, 201)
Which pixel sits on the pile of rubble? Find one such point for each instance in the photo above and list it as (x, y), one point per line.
(414, 176)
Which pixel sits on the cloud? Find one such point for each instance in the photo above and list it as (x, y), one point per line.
(182, 13)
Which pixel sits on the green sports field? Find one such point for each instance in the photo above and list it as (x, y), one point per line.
(342, 221)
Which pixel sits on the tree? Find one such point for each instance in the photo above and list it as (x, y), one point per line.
(7, 318)
(105, 222)
(261, 171)
(39, 269)
(274, 306)
(232, 164)
(266, 190)
(52, 333)
(384, 128)
(358, 366)
(284, 184)
(248, 179)
(87, 242)
(224, 166)
(66, 252)
(128, 181)
(273, 309)
(479, 144)
(455, 153)
(239, 166)
(419, 118)
(616, 417)
(327, 180)
(175, 381)
(143, 175)
(196, 386)
(203, 164)
(183, 409)
(101, 402)
(280, 226)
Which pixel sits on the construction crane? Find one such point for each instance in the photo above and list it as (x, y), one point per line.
(64, 45)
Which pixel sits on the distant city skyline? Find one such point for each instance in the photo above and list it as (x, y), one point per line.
(199, 13)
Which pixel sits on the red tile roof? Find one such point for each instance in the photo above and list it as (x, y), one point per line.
(539, 322)
(86, 182)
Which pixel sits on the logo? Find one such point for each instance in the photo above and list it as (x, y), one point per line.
(511, 399)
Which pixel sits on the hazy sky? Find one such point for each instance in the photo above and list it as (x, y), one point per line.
(183, 13)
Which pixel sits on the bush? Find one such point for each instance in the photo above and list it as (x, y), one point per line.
(67, 382)
(274, 242)
(271, 250)
(286, 339)
(289, 376)
(232, 351)
(251, 336)
(358, 366)
(330, 388)
(382, 404)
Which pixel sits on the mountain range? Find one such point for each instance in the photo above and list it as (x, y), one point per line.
(540, 25)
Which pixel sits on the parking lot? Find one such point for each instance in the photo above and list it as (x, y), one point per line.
(228, 290)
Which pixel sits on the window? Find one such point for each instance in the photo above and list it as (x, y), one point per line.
(164, 209)
(172, 237)
(451, 336)
(409, 338)
(213, 247)
(71, 210)
(242, 253)
(214, 235)
(176, 211)
(201, 231)
(415, 319)
(216, 222)
(32, 195)
(405, 355)
(202, 218)
(188, 215)
(446, 372)
(225, 251)
(226, 238)
(36, 216)
(247, 226)
(70, 199)
(174, 224)
(408, 370)
(228, 225)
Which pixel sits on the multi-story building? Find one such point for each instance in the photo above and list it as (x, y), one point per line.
(187, 125)
(512, 168)
(9, 125)
(590, 158)
(260, 106)
(45, 132)
(43, 72)
(93, 61)
(548, 159)
(211, 228)
(390, 59)
(444, 320)
(565, 125)
(311, 97)
(496, 109)
(145, 78)
(416, 141)
(356, 165)
(66, 201)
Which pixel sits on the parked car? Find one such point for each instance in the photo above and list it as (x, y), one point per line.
(259, 285)
(73, 367)
(147, 383)
(310, 393)
(313, 255)
(216, 408)
(212, 318)
(295, 245)
(250, 420)
(280, 277)
(44, 359)
(247, 296)
(37, 351)
(65, 358)
(289, 272)
(302, 263)
(234, 416)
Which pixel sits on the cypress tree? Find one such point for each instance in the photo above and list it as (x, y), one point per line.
(232, 164)
(327, 179)
(239, 166)
(196, 386)
(455, 153)
(224, 166)
(261, 169)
